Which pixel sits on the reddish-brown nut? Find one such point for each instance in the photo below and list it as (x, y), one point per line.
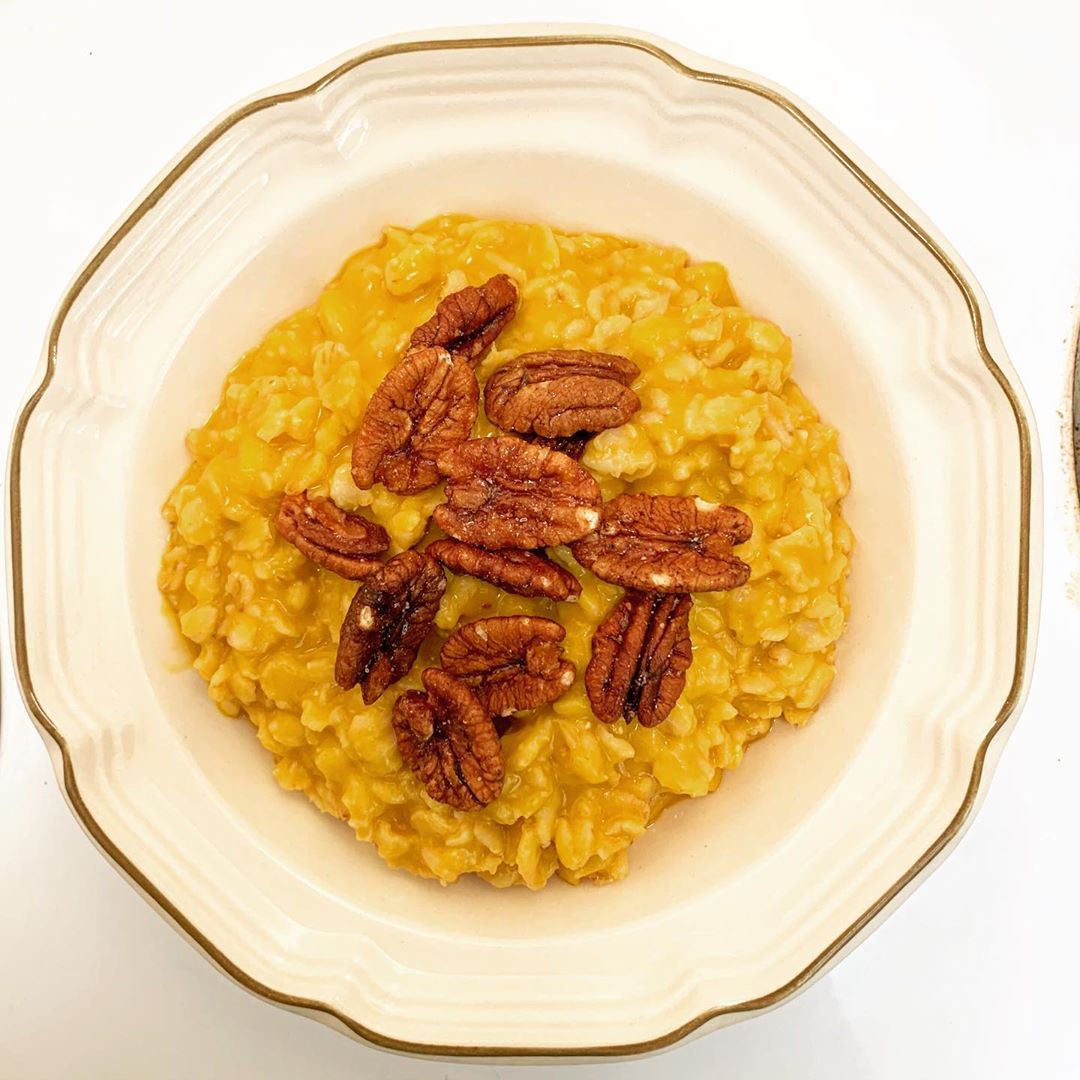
(640, 655)
(330, 536)
(387, 621)
(561, 392)
(573, 446)
(468, 321)
(511, 662)
(426, 403)
(504, 492)
(526, 573)
(447, 738)
(667, 543)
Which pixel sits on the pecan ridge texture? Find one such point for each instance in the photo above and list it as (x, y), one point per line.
(640, 655)
(571, 445)
(667, 543)
(426, 403)
(468, 321)
(506, 493)
(447, 738)
(511, 662)
(526, 573)
(330, 536)
(561, 392)
(387, 622)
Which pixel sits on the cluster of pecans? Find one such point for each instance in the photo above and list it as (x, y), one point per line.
(507, 498)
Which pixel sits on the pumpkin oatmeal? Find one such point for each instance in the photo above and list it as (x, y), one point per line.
(544, 743)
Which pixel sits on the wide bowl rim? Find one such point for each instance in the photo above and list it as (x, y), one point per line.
(496, 39)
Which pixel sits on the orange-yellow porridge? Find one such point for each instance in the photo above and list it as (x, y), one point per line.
(720, 419)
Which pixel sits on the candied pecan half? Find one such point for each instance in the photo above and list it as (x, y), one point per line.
(511, 662)
(526, 573)
(667, 543)
(330, 536)
(426, 403)
(504, 492)
(468, 321)
(560, 392)
(387, 621)
(447, 738)
(640, 654)
(573, 446)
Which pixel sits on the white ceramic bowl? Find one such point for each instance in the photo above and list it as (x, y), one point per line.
(734, 902)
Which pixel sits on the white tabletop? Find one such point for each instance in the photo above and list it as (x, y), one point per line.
(978, 119)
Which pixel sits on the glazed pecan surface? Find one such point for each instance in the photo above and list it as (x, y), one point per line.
(640, 655)
(387, 622)
(525, 573)
(330, 536)
(468, 321)
(573, 446)
(507, 493)
(667, 543)
(447, 738)
(557, 393)
(427, 403)
(511, 662)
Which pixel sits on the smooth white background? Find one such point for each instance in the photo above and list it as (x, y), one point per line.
(974, 109)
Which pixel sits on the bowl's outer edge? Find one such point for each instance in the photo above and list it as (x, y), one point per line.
(693, 65)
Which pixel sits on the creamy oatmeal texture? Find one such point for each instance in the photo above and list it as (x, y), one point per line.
(720, 419)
